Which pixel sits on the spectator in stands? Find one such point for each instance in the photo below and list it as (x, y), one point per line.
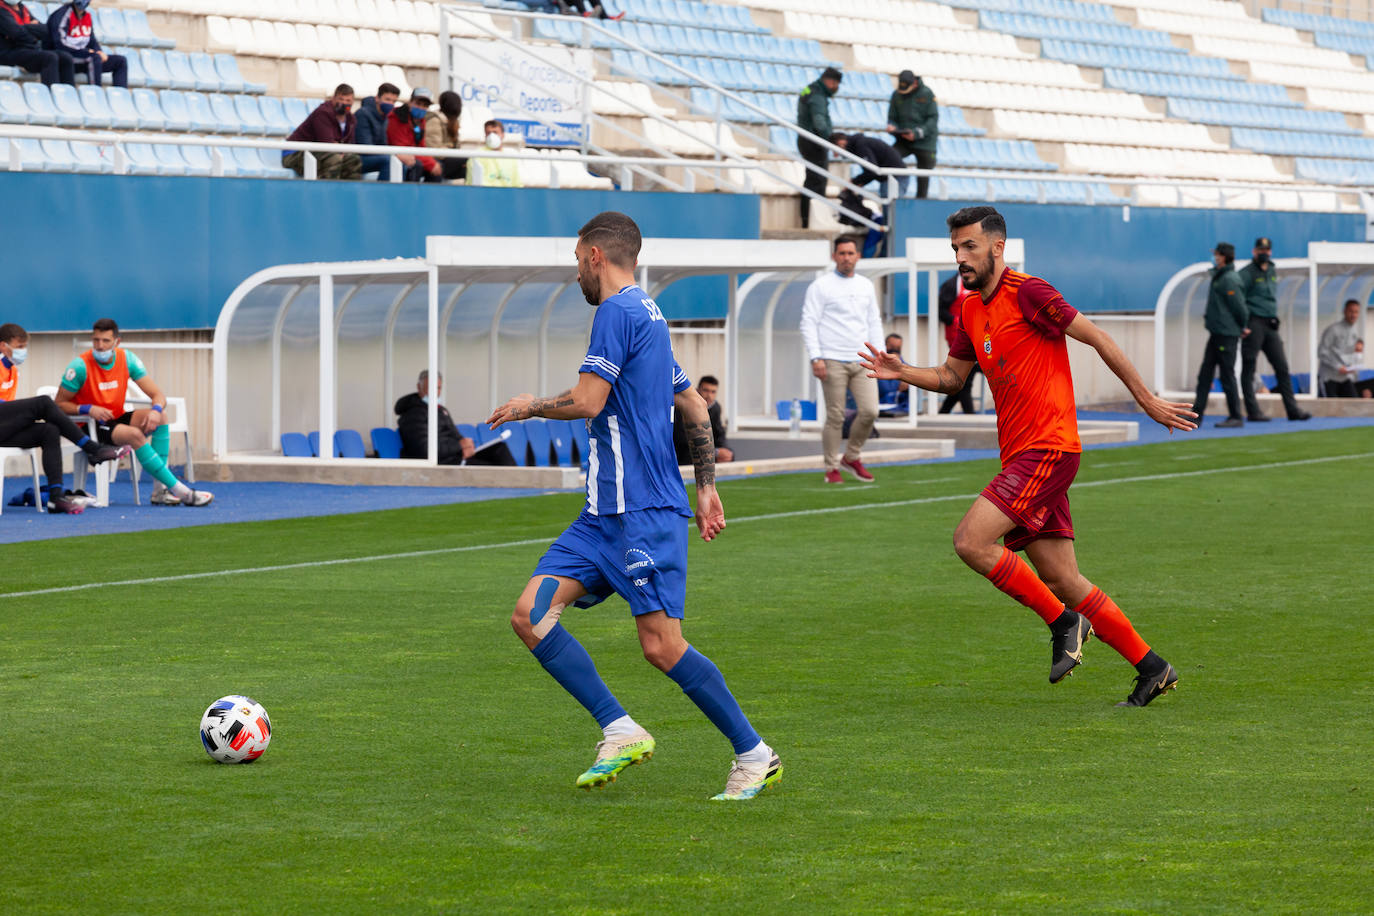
(894, 395)
(590, 8)
(405, 126)
(371, 128)
(813, 116)
(1260, 280)
(441, 132)
(1340, 352)
(708, 388)
(875, 152)
(39, 423)
(412, 419)
(494, 173)
(94, 384)
(71, 30)
(948, 296)
(332, 122)
(1225, 321)
(840, 315)
(913, 119)
(21, 45)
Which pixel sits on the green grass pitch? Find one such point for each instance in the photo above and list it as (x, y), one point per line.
(423, 762)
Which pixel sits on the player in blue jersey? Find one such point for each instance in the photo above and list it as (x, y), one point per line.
(631, 537)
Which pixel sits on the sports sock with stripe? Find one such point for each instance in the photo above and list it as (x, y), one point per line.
(704, 685)
(1112, 626)
(1013, 575)
(154, 465)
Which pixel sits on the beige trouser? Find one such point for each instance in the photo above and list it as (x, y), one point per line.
(839, 378)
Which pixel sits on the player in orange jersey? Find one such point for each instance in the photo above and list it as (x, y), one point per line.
(1015, 326)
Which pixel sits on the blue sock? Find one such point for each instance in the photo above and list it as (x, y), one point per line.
(81, 443)
(564, 657)
(704, 685)
(52, 490)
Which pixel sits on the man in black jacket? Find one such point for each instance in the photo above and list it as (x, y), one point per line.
(877, 153)
(21, 45)
(412, 419)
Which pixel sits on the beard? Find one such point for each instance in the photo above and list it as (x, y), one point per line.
(591, 290)
(977, 277)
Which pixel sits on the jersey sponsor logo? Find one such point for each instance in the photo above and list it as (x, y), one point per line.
(637, 559)
(108, 386)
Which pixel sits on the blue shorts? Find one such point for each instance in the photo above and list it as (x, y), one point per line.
(641, 556)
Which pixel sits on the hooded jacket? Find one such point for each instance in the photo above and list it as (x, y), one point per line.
(73, 32)
(915, 110)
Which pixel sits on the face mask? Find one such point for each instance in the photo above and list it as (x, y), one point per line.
(385, 107)
(897, 351)
(418, 113)
(493, 141)
(439, 400)
(104, 357)
(1261, 258)
(340, 108)
(80, 5)
(19, 354)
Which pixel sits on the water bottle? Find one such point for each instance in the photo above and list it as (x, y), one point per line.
(794, 431)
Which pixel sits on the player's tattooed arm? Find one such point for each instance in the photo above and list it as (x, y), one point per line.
(701, 445)
(949, 380)
(540, 406)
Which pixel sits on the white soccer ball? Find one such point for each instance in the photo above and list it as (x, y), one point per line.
(235, 729)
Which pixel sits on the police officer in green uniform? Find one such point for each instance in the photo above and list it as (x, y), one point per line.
(1225, 320)
(913, 119)
(1260, 280)
(813, 114)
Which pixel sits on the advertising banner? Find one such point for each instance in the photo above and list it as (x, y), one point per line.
(518, 84)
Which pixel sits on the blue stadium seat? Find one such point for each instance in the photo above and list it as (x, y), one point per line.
(247, 162)
(31, 155)
(228, 67)
(97, 102)
(67, 105)
(250, 115)
(38, 98)
(176, 109)
(348, 443)
(169, 159)
(156, 74)
(138, 77)
(110, 28)
(92, 157)
(203, 68)
(579, 435)
(197, 158)
(518, 442)
(141, 33)
(477, 432)
(386, 442)
(560, 435)
(271, 164)
(13, 108)
(141, 160)
(296, 445)
(297, 110)
(808, 409)
(541, 443)
(179, 69)
(274, 114)
(57, 156)
(225, 114)
(203, 120)
(314, 437)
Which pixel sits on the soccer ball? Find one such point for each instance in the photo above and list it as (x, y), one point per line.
(235, 729)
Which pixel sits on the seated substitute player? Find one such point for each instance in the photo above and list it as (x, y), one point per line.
(38, 423)
(630, 539)
(1015, 329)
(94, 384)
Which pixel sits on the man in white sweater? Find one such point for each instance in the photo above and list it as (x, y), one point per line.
(839, 316)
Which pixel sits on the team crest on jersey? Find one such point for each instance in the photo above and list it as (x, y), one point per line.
(69, 375)
(987, 344)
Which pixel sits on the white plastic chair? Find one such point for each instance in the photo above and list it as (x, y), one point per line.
(32, 454)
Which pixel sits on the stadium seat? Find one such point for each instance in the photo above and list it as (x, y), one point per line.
(176, 109)
(57, 156)
(38, 98)
(226, 116)
(92, 157)
(110, 26)
(169, 159)
(274, 115)
(156, 75)
(96, 103)
(67, 105)
(541, 443)
(561, 437)
(141, 160)
(580, 439)
(517, 440)
(250, 115)
(314, 438)
(229, 75)
(203, 68)
(13, 108)
(197, 158)
(348, 443)
(180, 72)
(296, 445)
(808, 409)
(141, 33)
(386, 442)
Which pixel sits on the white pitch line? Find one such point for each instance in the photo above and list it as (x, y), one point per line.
(439, 551)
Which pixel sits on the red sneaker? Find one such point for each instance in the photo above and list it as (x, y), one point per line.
(833, 477)
(856, 467)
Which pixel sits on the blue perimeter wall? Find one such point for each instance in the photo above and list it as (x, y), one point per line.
(162, 252)
(156, 252)
(1101, 262)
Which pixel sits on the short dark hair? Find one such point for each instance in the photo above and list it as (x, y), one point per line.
(987, 218)
(892, 335)
(11, 331)
(388, 89)
(830, 73)
(844, 240)
(1348, 304)
(709, 380)
(105, 324)
(494, 123)
(343, 89)
(616, 235)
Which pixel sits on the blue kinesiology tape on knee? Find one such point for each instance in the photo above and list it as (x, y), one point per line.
(544, 615)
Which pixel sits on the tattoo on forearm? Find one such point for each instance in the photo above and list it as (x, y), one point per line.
(539, 406)
(949, 380)
(701, 445)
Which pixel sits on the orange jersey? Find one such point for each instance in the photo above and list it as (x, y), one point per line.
(9, 380)
(105, 387)
(1017, 337)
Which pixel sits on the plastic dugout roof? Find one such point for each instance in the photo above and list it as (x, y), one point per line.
(452, 265)
(1309, 288)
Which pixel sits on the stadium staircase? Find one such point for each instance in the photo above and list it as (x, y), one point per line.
(1064, 100)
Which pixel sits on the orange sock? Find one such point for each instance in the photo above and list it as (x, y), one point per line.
(1112, 626)
(1015, 577)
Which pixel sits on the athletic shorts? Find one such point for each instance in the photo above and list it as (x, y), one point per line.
(1033, 491)
(640, 556)
(104, 431)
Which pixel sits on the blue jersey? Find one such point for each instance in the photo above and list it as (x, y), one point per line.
(631, 461)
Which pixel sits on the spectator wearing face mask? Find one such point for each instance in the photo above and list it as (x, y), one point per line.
(21, 45)
(332, 122)
(71, 30)
(1260, 281)
(405, 126)
(494, 173)
(371, 131)
(913, 119)
(441, 132)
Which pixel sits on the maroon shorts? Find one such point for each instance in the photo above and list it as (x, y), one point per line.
(1033, 491)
